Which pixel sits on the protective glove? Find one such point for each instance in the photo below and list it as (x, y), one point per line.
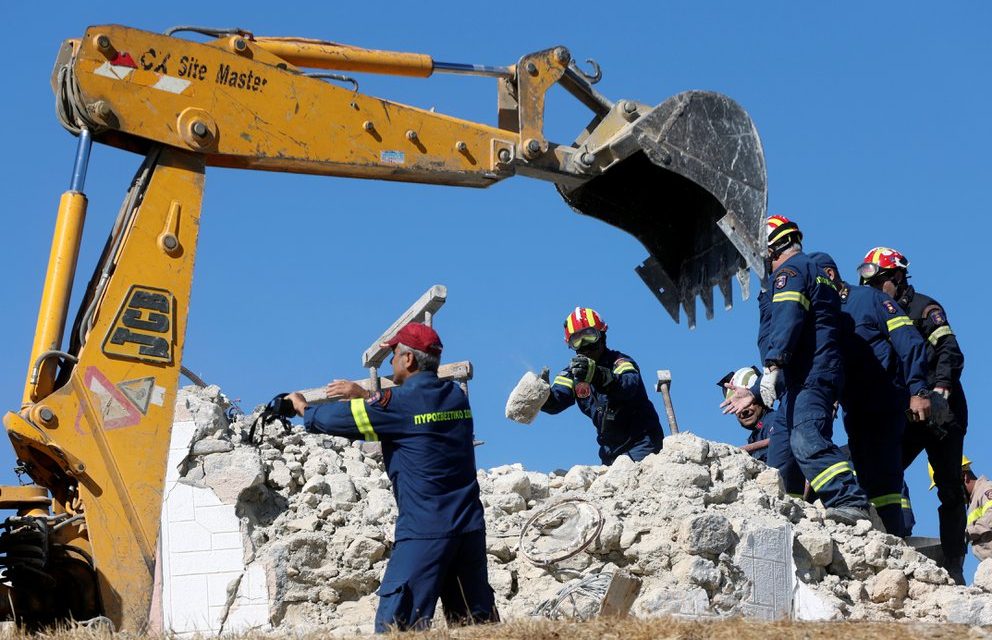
(582, 368)
(942, 391)
(769, 387)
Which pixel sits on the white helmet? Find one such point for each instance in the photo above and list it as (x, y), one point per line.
(743, 377)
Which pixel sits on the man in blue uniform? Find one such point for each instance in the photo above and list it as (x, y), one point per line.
(607, 386)
(758, 420)
(425, 426)
(886, 269)
(803, 367)
(885, 381)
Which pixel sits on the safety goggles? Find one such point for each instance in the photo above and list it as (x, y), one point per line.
(869, 271)
(584, 337)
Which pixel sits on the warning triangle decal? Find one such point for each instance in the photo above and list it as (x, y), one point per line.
(138, 391)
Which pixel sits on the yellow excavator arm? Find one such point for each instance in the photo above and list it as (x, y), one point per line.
(686, 177)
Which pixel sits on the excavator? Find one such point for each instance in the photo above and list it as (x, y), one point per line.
(686, 178)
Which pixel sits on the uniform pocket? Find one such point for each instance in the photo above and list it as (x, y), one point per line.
(394, 606)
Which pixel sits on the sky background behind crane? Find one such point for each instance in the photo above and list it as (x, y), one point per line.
(876, 130)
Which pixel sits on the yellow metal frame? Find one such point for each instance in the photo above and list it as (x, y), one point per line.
(99, 442)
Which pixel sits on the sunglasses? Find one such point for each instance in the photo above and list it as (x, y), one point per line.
(582, 338)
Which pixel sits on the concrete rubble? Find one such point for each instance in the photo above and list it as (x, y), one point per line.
(705, 526)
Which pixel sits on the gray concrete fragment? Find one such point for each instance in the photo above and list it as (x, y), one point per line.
(527, 398)
(208, 446)
(231, 474)
(709, 533)
(687, 446)
(983, 575)
(889, 584)
(765, 558)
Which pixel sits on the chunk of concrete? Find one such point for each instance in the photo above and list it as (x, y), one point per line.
(765, 557)
(709, 533)
(527, 398)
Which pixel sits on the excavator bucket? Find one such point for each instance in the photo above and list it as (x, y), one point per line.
(687, 179)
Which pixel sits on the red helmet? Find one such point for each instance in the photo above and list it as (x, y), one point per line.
(582, 319)
(881, 259)
(779, 228)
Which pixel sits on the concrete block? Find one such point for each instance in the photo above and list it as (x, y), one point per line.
(187, 536)
(218, 519)
(217, 584)
(182, 434)
(205, 498)
(765, 556)
(179, 503)
(206, 562)
(226, 540)
(187, 611)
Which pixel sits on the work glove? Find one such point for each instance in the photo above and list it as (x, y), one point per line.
(769, 388)
(584, 369)
(943, 392)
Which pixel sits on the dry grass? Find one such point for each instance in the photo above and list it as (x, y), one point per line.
(628, 629)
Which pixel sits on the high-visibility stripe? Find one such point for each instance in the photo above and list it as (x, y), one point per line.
(571, 325)
(624, 367)
(362, 421)
(939, 333)
(589, 318)
(977, 514)
(898, 321)
(829, 474)
(906, 504)
(563, 381)
(781, 234)
(791, 296)
(886, 500)
(795, 495)
(826, 281)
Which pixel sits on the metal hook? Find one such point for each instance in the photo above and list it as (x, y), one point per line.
(592, 78)
(334, 76)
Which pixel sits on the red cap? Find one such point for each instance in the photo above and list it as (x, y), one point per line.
(418, 336)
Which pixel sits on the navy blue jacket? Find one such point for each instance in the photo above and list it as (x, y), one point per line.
(884, 354)
(622, 413)
(803, 326)
(761, 431)
(426, 431)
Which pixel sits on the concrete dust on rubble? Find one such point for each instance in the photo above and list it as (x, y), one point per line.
(694, 523)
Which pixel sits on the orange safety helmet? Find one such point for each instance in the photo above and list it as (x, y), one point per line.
(583, 318)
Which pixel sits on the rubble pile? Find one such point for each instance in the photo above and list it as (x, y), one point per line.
(318, 513)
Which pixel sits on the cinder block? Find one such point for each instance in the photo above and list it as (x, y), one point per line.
(206, 562)
(226, 540)
(205, 498)
(218, 518)
(765, 556)
(187, 610)
(187, 536)
(217, 584)
(179, 502)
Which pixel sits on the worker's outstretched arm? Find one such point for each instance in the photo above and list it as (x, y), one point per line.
(363, 418)
(562, 393)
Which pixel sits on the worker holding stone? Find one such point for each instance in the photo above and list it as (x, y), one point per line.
(803, 368)
(607, 386)
(425, 426)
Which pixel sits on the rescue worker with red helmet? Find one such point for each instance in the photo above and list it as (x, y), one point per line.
(885, 381)
(804, 370)
(607, 386)
(886, 269)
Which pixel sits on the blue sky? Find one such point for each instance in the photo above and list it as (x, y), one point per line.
(873, 116)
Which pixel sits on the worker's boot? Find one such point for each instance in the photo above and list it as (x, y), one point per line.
(847, 515)
(955, 567)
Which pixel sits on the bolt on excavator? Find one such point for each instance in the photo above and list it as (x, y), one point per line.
(685, 177)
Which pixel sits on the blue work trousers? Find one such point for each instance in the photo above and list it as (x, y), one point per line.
(780, 456)
(641, 448)
(875, 438)
(421, 571)
(809, 419)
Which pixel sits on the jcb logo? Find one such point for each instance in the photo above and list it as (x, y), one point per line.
(144, 328)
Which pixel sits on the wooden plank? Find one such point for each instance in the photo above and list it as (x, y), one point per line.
(429, 303)
(458, 371)
(620, 595)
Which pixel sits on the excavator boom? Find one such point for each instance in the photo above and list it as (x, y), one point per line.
(686, 178)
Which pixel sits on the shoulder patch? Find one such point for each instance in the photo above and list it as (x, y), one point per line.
(988, 494)
(380, 398)
(781, 280)
(890, 307)
(936, 317)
